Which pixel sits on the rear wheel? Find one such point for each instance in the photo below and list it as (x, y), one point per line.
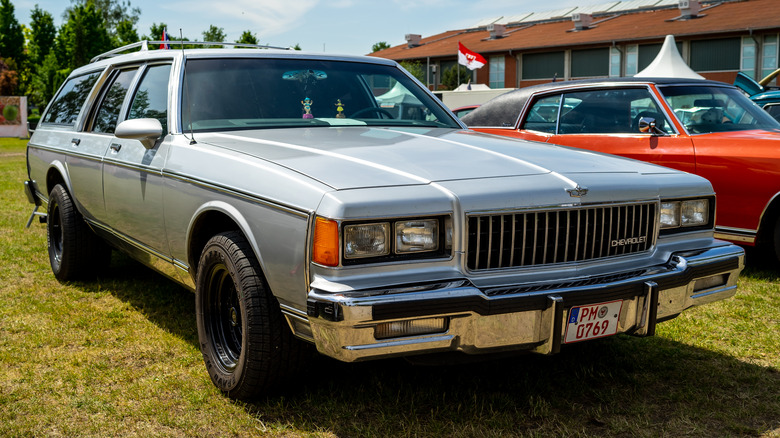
(75, 252)
(243, 338)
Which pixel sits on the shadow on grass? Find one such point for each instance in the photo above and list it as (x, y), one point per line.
(614, 387)
(162, 301)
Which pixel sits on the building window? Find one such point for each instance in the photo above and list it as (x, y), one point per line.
(614, 62)
(632, 60)
(543, 65)
(497, 71)
(748, 58)
(720, 54)
(589, 63)
(647, 53)
(769, 55)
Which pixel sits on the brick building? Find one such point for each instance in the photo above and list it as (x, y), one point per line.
(717, 38)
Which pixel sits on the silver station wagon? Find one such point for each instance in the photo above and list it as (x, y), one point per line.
(333, 201)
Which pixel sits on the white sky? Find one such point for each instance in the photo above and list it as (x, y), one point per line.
(333, 26)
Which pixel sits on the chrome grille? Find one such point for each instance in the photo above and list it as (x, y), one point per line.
(532, 238)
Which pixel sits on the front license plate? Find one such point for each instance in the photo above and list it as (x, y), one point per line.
(592, 321)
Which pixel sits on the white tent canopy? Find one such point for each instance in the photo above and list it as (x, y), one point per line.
(471, 87)
(668, 64)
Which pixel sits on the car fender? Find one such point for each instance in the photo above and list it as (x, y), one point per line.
(230, 212)
(56, 167)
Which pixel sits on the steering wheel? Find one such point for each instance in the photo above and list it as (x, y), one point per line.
(370, 109)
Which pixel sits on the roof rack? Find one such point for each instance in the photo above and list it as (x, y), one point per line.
(142, 46)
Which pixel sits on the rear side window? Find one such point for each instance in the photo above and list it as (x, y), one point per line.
(65, 108)
(543, 116)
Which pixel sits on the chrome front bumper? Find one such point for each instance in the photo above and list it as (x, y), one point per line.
(523, 317)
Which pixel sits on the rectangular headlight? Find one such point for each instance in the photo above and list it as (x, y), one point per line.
(695, 212)
(416, 236)
(685, 213)
(366, 240)
(670, 214)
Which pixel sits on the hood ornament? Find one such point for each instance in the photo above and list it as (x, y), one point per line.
(578, 192)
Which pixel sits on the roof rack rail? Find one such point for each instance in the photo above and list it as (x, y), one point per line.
(144, 45)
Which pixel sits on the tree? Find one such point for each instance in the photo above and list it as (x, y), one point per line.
(382, 45)
(82, 37)
(45, 80)
(125, 34)
(247, 38)
(43, 34)
(9, 80)
(449, 78)
(11, 35)
(113, 12)
(156, 31)
(214, 34)
(416, 69)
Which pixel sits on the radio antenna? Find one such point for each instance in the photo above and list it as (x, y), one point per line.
(186, 88)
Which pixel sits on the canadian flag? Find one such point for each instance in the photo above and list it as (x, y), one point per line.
(470, 59)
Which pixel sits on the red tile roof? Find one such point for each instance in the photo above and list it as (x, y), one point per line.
(716, 19)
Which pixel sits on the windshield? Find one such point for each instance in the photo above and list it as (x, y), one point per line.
(706, 109)
(229, 94)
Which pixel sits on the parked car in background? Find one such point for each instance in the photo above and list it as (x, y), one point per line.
(703, 127)
(275, 185)
(764, 96)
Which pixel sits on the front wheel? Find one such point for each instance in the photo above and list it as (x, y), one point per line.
(245, 345)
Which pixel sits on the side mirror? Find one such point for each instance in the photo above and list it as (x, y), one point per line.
(647, 125)
(147, 131)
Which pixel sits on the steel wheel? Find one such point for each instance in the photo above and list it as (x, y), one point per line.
(224, 320)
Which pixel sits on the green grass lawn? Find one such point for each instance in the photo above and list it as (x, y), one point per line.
(119, 356)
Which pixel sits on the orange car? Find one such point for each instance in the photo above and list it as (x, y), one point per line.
(703, 127)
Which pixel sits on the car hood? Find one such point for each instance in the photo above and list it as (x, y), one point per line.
(771, 96)
(357, 157)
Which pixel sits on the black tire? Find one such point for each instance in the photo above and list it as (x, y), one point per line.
(776, 241)
(246, 345)
(75, 252)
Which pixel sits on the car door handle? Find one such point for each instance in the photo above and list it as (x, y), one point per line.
(116, 147)
(75, 141)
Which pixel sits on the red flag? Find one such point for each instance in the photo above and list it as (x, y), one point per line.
(472, 60)
(165, 37)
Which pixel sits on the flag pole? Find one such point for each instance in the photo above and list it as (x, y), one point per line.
(457, 65)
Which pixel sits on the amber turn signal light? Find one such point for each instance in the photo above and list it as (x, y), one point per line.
(326, 242)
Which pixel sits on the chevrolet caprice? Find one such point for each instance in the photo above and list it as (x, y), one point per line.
(333, 201)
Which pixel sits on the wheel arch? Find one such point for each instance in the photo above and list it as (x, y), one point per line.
(769, 217)
(57, 174)
(211, 219)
